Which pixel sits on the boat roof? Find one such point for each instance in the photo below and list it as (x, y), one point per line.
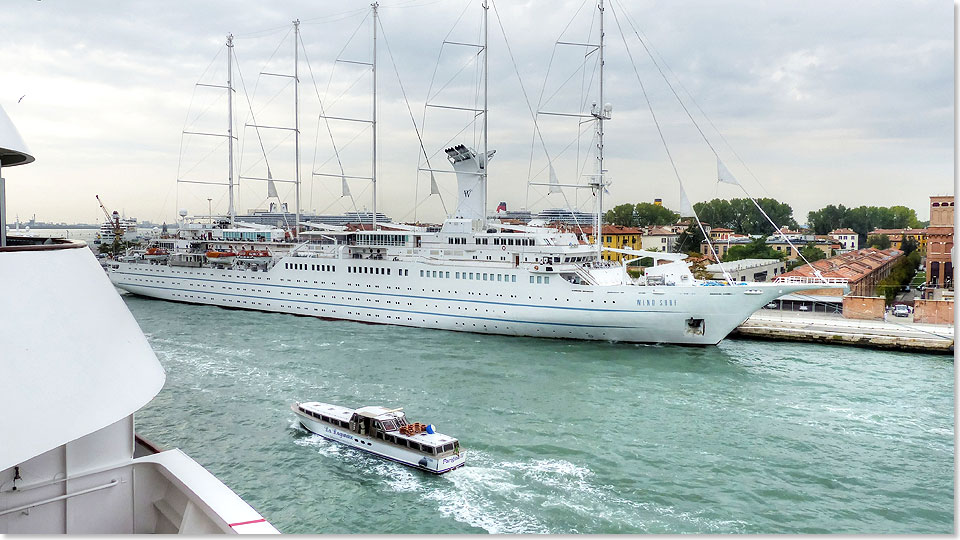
(377, 413)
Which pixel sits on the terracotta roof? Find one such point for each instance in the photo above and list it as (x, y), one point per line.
(843, 231)
(611, 229)
(659, 231)
(721, 229)
(854, 265)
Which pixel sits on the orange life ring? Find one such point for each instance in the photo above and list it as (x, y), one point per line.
(535, 267)
(504, 248)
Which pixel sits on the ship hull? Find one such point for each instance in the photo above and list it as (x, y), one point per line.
(392, 292)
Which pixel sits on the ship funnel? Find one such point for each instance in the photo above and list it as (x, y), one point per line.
(471, 181)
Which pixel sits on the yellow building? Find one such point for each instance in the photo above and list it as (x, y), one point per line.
(897, 237)
(618, 237)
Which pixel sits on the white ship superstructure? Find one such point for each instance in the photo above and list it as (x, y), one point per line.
(472, 274)
(127, 226)
(506, 279)
(70, 460)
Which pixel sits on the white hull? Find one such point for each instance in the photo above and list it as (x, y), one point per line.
(560, 309)
(436, 465)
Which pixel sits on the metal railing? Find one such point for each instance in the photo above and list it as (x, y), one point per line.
(811, 279)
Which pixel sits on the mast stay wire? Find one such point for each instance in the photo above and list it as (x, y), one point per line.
(326, 121)
(406, 101)
(665, 146)
(523, 90)
(706, 140)
(426, 103)
(636, 28)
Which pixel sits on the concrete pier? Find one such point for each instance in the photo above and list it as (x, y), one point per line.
(834, 329)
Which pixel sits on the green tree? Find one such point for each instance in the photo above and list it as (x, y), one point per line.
(908, 246)
(622, 214)
(698, 267)
(756, 249)
(879, 241)
(648, 214)
(827, 219)
(812, 253)
(742, 215)
(689, 240)
(717, 212)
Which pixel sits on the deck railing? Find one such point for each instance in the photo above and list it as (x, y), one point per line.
(811, 279)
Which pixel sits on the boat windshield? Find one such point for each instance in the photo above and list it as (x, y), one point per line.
(388, 425)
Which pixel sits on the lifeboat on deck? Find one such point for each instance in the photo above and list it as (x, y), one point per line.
(156, 254)
(255, 256)
(221, 257)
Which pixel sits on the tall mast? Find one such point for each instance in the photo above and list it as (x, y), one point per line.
(296, 115)
(599, 112)
(374, 174)
(233, 212)
(486, 161)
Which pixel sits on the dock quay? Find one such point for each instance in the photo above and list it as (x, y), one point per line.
(836, 330)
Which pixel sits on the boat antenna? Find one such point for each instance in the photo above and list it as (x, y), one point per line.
(486, 157)
(601, 112)
(374, 122)
(233, 212)
(296, 117)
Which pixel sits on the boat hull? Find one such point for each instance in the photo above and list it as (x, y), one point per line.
(683, 314)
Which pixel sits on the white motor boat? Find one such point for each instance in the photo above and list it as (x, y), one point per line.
(384, 432)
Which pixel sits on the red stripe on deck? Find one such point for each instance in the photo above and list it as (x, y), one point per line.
(261, 520)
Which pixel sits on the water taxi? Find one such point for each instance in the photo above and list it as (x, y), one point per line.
(384, 432)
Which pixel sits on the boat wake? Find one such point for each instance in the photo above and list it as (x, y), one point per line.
(542, 496)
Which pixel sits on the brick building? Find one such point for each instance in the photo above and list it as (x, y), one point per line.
(862, 269)
(939, 264)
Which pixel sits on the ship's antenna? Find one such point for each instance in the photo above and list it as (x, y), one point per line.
(373, 174)
(599, 111)
(296, 117)
(233, 212)
(486, 160)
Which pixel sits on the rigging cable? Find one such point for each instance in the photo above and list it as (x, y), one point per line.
(409, 110)
(706, 140)
(666, 147)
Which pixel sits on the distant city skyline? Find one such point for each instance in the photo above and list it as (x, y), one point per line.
(827, 103)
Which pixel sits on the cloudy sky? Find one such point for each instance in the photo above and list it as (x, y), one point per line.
(809, 102)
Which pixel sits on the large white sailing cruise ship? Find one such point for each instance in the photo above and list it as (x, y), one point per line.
(497, 279)
(473, 274)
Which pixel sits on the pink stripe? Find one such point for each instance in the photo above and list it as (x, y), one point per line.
(261, 520)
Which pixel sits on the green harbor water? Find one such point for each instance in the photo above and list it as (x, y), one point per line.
(562, 436)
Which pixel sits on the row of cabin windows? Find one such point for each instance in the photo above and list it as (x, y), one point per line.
(414, 445)
(313, 267)
(376, 270)
(326, 418)
(545, 280)
(483, 276)
(456, 240)
(513, 242)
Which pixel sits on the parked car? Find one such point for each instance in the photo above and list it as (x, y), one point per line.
(901, 310)
(771, 305)
(804, 308)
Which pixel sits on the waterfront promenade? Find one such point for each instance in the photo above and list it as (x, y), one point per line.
(893, 333)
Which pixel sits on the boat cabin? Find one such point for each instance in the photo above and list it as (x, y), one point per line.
(388, 425)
